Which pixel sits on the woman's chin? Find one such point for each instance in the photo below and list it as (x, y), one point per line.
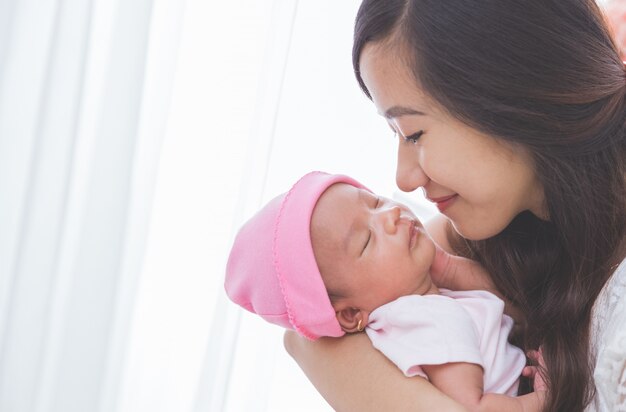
(474, 231)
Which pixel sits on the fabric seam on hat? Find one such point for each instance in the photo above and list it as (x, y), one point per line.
(277, 264)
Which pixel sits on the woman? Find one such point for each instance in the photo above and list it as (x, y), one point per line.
(616, 13)
(510, 115)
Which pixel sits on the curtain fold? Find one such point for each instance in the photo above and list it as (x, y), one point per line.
(81, 121)
(213, 385)
(39, 105)
(135, 138)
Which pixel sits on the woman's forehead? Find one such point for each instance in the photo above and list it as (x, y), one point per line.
(392, 85)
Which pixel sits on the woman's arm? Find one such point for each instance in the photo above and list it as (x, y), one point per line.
(353, 376)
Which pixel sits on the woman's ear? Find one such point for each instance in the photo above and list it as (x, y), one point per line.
(352, 319)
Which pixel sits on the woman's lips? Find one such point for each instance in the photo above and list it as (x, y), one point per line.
(443, 202)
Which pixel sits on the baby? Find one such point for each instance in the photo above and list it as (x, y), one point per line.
(330, 257)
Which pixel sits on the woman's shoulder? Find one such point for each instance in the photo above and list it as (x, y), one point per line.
(609, 344)
(611, 300)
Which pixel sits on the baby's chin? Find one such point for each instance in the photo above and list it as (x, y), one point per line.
(428, 249)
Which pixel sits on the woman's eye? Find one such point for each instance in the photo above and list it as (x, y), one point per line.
(414, 137)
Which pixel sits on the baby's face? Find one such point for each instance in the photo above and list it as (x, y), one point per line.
(370, 250)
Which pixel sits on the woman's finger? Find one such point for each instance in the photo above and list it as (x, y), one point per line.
(539, 383)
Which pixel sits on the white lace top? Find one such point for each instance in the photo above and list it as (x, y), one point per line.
(609, 345)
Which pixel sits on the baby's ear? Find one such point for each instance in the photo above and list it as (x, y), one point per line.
(352, 319)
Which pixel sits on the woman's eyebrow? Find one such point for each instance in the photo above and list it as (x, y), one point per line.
(399, 111)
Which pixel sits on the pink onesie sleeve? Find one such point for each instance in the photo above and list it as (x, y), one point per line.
(424, 330)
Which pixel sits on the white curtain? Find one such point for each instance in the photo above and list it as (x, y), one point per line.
(135, 138)
(84, 91)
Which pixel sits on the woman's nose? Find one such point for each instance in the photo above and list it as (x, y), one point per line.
(388, 218)
(409, 172)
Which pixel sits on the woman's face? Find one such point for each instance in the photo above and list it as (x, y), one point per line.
(480, 183)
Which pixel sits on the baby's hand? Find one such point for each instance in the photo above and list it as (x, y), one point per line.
(459, 273)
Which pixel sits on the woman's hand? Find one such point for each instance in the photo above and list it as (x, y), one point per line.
(536, 373)
(535, 401)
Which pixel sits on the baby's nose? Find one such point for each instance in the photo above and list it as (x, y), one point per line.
(389, 218)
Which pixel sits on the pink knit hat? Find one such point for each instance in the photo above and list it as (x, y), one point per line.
(272, 271)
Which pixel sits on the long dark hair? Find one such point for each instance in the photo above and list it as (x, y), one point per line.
(544, 75)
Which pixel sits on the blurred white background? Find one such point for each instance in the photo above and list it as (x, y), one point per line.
(135, 138)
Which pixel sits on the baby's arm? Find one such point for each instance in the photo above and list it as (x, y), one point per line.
(463, 382)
